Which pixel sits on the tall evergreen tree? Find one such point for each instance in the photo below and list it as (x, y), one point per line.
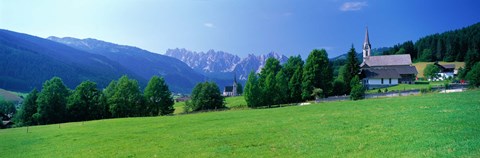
(295, 86)
(352, 68)
(270, 92)
(158, 97)
(252, 91)
(473, 75)
(272, 66)
(281, 87)
(289, 68)
(472, 57)
(317, 73)
(239, 89)
(52, 102)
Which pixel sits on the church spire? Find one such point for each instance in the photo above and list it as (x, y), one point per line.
(234, 87)
(366, 45)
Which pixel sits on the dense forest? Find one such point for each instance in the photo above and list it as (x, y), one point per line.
(448, 46)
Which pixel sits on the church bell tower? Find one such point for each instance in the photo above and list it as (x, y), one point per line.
(366, 46)
(234, 89)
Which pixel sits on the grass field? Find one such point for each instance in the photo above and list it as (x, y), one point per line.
(431, 125)
(421, 65)
(401, 87)
(237, 102)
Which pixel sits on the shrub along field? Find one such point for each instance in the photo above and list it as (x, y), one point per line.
(431, 125)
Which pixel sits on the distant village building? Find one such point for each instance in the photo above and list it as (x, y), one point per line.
(231, 90)
(446, 71)
(385, 70)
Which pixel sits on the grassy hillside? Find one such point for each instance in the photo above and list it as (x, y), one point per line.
(421, 65)
(433, 125)
(11, 96)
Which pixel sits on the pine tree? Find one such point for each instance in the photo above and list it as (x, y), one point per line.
(293, 63)
(473, 75)
(270, 92)
(281, 88)
(317, 73)
(239, 89)
(252, 91)
(352, 68)
(472, 57)
(295, 86)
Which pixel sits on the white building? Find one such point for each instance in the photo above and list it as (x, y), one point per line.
(385, 70)
(231, 90)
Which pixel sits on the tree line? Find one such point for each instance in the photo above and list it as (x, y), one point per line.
(55, 103)
(297, 81)
(462, 45)
(448, 46)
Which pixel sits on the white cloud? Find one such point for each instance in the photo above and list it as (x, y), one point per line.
(209, 25)
(353, 6)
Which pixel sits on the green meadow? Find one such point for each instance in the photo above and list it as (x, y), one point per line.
(430, 125)
(402, 87)
(232, 103)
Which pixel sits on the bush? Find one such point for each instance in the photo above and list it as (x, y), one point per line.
(357, 93)
(422, 82)
(379, 91)
(431, 72)
(423, 90)
(206, 96)
(473, 76)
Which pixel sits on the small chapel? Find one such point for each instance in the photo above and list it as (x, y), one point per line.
(385, 70)
(229, 91)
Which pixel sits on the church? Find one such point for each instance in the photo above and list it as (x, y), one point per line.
(385, 70)
(229, 91)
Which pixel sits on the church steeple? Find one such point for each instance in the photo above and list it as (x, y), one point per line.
(366, 46)
(234, 87)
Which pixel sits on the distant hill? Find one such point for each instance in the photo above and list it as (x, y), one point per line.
(223, 65)
(179, 76)
(27, 61)
(10, 96)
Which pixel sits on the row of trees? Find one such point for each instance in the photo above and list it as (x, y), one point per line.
(55, 103)
(449, 46)
(296, 81)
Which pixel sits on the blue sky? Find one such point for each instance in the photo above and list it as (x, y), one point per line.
(240, 27)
